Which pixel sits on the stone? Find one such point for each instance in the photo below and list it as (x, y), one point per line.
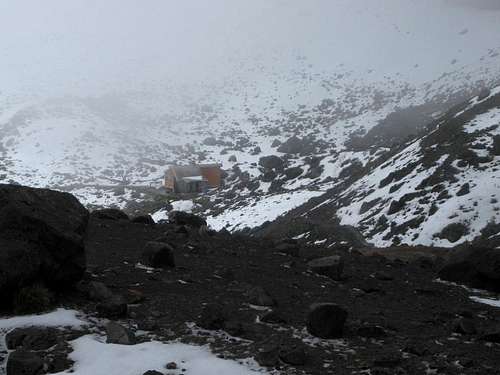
(465, 327)
(98, 291)
(260, 297)
(273, 317)
(158, 255)
(31, 338)
(115, 307)
(371, 331)
(143, 219)
(293, 353)
(41, 239)
(22, 362)
(331, 266)
(171, 366)
(212, 317)
(118, 334)
(186, 218)
(109, 214)
(326, 320)
(271, 162)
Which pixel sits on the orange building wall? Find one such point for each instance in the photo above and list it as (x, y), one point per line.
(213, 175)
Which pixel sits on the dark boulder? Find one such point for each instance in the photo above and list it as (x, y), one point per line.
(186, 218)
(41, 239)
(296, 145)
(158, 255)
(293, 172)
(112, 309)
(477, 267)
(271, 162)
(143, 219)
(213, 317)
(293, 353)
(109, 214)
(331, 266)
(453, 232)
(496, 145)
(371, 331)
(326, 320)
(260, 297)
(31, 338)
(22, 362)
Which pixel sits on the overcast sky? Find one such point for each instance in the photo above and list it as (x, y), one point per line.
(90, 46)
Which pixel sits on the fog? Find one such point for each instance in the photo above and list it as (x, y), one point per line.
(89, 47)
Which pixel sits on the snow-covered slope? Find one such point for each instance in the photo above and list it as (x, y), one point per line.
(442, 188)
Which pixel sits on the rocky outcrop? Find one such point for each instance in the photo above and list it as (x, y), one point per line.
(41, 239)
(477, 267)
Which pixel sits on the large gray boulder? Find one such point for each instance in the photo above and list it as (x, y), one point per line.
(41, 239)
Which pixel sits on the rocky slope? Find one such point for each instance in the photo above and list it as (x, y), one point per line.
(281, 146)
(440, 188)
(283, 304)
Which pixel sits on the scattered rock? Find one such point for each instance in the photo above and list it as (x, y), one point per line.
(326, 320)
(273, 317)
(186, 218)
(293, 353)
(464, 190)
(118, 334)
(296, 145)
(144, 219)
(109, 214)
(371, 331)
(22, 362)
(158, 255)
(171, 366)
(465, 327)
(453, 232)
(331, 266)
(294, 172)
(213, 317)
(97, 291)
(260, 297)
(31, 338)
(115, 307)
(289, 247)
(271, 162)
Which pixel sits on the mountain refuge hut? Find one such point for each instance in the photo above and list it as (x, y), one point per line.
(193, 178)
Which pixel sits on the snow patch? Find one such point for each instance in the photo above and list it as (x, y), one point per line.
(92, 356)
